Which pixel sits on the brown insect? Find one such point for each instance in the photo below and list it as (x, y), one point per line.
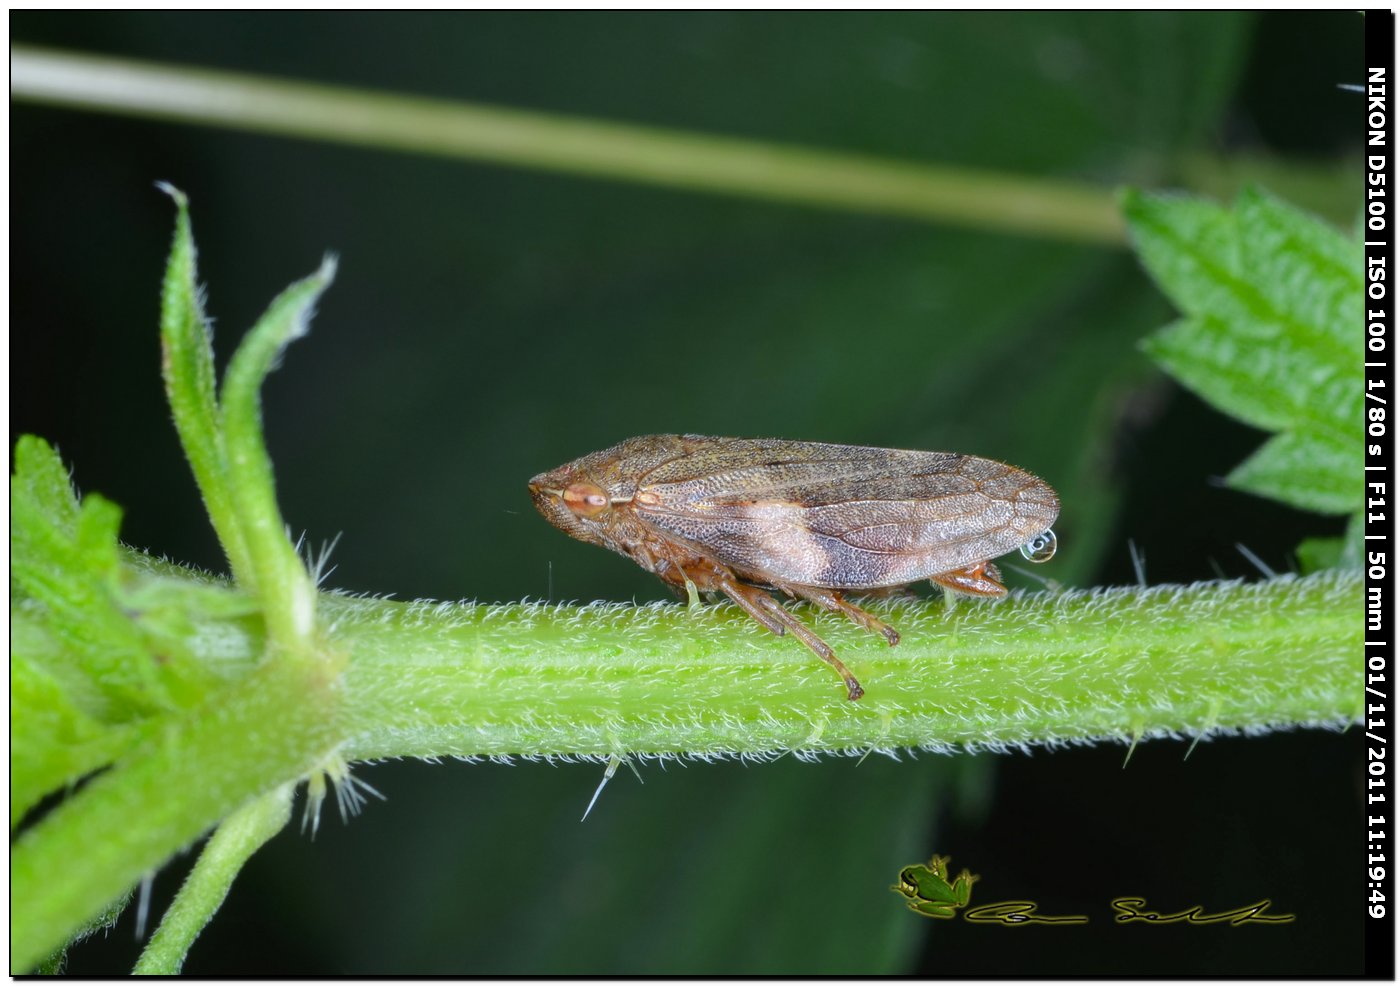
(741, 516)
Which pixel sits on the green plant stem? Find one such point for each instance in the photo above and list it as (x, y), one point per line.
(237, 838)
(1036, 669)
(272, 727)
(439, 679)
(1060, 210)
(436, 679)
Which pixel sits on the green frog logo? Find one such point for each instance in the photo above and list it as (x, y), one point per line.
(926, 889)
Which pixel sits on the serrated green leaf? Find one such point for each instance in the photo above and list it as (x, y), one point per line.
(1272, 297)
(97, 642)
(53, 743)
(1192, 249)
(1264, 385)
(100, 652)
(1306, 270)
(41, 480)
(102, 921)
(1303, 470)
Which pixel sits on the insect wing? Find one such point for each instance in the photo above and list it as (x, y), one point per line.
(840, 516)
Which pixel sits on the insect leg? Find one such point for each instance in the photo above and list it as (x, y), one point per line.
(835, 602)
(977, 580)
(748, 599)
(768, 611)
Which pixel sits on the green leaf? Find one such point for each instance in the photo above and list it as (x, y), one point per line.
(41, 480)
(52, 741)
(96, 648)
(63, 562)
(281, 580)
(272, 727)
(1307, 270)
(1272, 298)
(187, 366)
(104, 920)
(1302, 469)
(1315, 554)
(111, 666)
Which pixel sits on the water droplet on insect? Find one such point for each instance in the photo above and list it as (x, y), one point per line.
(1040, 548)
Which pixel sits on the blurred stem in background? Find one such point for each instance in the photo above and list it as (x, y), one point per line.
(1060, 210)
(1053, 209)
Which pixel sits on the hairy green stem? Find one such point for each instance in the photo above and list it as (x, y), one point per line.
(432, 679)
(428, 680)
(275, 725)
(237, 838)
(1061, 210)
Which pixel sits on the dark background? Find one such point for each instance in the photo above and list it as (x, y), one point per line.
(491, 322)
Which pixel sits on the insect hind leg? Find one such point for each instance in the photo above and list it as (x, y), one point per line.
(981, 580)
(769, 612)
(832, 600)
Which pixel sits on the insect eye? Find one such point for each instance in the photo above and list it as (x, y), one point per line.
(585, 499)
